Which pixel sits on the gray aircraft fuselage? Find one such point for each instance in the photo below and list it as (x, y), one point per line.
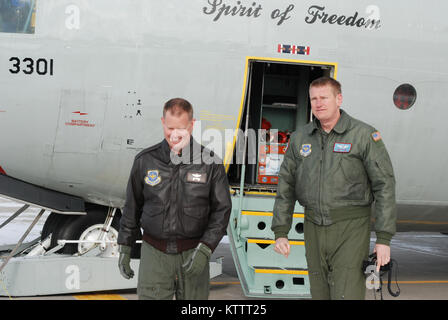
(83, 83)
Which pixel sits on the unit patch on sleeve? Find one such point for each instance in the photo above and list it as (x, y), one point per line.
(342, 147)
(376, 136)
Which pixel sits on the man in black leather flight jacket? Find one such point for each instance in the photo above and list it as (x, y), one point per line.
(182, 203)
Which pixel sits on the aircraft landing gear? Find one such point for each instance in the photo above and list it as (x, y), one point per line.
(80, 234)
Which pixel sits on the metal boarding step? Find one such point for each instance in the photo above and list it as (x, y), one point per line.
(48, 273)
(261, 270)
(64, 274)
(278, 278)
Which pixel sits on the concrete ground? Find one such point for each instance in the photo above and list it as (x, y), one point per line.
(422, 261)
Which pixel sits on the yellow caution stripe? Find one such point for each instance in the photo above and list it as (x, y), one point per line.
(223, 283)
(268, 214)
(422, 222)
(420, 282)
(268, 241)
(258, 193)
(99, 297)
(282, 271)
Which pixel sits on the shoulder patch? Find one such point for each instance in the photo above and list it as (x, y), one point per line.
(376, 136)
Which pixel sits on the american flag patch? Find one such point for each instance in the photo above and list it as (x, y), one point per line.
(293, 49)
(376, 136)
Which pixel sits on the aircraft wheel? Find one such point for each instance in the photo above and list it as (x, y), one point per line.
(87, 228)
(75, 227)
(53, 225)
(93, 233)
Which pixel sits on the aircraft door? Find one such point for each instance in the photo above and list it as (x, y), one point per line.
(80, 124)
(277, 104)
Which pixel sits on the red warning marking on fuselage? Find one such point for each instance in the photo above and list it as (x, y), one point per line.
(80, 113)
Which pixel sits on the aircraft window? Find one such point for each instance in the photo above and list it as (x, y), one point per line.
(17, 16)
(405, 96)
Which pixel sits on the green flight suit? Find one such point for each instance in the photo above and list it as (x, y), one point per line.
(161, 276)
(336, 177)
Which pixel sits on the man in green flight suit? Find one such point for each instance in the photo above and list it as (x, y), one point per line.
(336, 167)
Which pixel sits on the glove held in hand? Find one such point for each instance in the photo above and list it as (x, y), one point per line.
(124, 262)
(196, 263)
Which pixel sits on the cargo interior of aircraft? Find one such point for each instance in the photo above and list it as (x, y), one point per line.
(276, 105)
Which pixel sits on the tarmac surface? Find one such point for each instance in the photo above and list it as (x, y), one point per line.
(422, 264)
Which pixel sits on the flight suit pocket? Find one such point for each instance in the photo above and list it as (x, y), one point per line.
(353, 170)
(347, 284)
(302, 186)
(152, 218)
(385, 167)
(195, 187)
(194, 220)
(148, 292)
(352, 181)
(337, 280)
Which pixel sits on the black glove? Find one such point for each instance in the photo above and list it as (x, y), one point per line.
(197, 261)
(124, 262)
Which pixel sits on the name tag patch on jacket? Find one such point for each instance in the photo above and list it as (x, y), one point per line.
(342, 147)
(305, 151)
(197, 177)
(153, 178)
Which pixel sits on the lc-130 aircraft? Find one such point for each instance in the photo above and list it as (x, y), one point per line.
(82, 85)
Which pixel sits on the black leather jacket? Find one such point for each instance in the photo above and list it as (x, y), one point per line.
(187, 200)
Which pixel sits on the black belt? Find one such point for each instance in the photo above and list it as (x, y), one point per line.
(171, 246)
